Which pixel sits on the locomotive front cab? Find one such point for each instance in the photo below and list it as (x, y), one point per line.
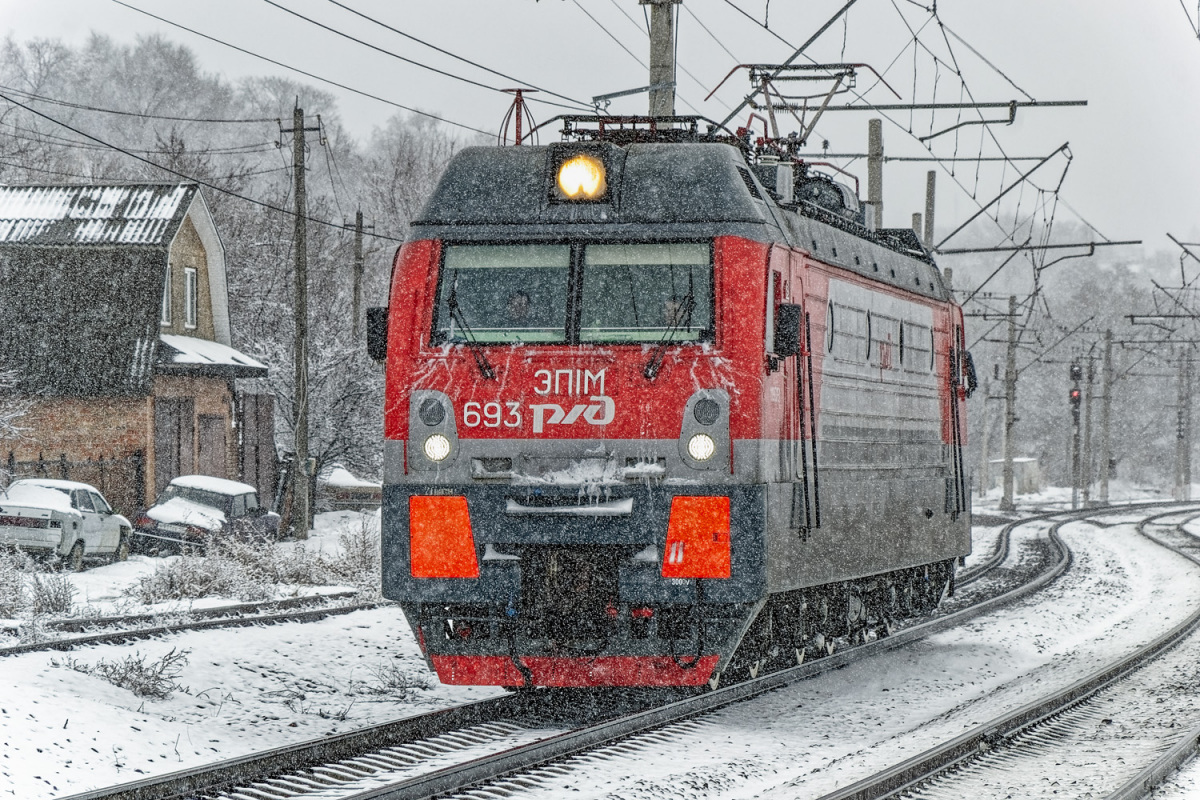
(562, 484)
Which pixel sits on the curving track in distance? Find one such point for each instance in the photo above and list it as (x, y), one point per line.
(1027, 752)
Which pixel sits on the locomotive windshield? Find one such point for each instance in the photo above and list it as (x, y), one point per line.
(503, 293)
(496, 294)
(645, 292)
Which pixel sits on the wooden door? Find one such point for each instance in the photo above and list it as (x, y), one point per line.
(211, 455)
(174, 438)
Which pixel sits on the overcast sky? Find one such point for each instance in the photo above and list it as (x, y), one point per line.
(1134, 173)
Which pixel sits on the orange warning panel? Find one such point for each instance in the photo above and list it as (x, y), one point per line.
(697, 538)
(440, 540)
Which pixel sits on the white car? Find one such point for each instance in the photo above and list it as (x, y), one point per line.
(66, 518)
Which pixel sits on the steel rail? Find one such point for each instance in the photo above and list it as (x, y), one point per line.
(226, 775)
(518, 759)
(1142, 784)
(911, 773)
(124, 635)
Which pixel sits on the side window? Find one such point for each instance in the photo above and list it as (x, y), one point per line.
(189, 297)
(239, 506)
(852, 333)
(100, 504)
(829, 318)
(82, 500)
(164, 317)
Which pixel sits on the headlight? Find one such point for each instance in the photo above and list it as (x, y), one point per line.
(582, 177)
(706, 411)
(700, 447)
(431, 412)
(437, 447)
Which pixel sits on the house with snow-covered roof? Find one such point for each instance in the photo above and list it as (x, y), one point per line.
(114, 328)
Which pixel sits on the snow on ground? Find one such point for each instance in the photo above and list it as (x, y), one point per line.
(246, 690)
(103, 590)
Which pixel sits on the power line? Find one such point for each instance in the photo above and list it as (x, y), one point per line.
(82, 107)
(458, 57)
(184, 175)
(379, 49)
(299, 71)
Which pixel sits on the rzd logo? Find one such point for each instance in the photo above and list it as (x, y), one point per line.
(600, 412)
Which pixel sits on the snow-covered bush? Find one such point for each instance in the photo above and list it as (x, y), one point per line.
(390, 682)
(12, 582)
(190, 576)
(257, 570)
(145, 679)
(50, 593)
(358, 562)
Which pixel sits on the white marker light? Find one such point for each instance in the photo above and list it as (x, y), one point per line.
(701, 447)
(582, 177)
(437, 447)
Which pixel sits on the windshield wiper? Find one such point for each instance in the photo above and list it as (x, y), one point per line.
(485, 368)
(682, 314)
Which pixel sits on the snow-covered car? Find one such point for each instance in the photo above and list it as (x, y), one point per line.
(194, 508)
(66, 518)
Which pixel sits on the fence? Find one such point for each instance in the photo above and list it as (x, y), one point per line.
(121, 480)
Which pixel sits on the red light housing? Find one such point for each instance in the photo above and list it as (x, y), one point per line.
(441, 544)
(697, 538)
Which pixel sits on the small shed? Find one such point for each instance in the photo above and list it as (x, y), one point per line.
(1027, 475)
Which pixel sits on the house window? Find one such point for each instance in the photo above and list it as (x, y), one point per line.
(189, 297)
(165, 314)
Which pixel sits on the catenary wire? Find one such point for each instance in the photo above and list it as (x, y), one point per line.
(397, 56)
(475, 64)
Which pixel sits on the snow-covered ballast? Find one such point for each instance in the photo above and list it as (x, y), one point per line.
(610, 458)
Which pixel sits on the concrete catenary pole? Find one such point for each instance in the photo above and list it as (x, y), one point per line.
(1010, 405)
(1088, 457)
(662, 56)
(1180, 431)
(875, 169)
(930, 189)
(985, 475)
(1105, 409)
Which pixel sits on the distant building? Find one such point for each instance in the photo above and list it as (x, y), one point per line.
(114, 319)
(1027, 475)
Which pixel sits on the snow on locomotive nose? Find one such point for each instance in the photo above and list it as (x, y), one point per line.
(648, 422)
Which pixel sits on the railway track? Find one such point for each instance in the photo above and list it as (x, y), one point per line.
(492, 742)
(145, 626)
(1084, 740)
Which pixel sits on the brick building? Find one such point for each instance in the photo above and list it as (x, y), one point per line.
(114, 321)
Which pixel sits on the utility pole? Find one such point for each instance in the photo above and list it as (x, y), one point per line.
(301, 477)
(1086, 484)
(1075, 397)
(1105, 408)
(662, 56)
(875, 170)
(1010, 404)
(358, 268)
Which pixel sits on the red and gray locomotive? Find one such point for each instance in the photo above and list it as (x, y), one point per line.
(660, 408)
